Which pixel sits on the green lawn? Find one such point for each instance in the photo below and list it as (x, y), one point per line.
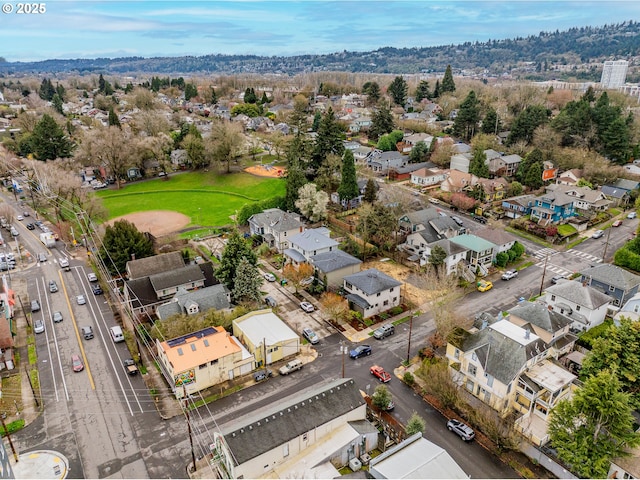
(207, 198)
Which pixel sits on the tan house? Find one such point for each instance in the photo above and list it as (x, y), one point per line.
(333, 266)
(201, 359)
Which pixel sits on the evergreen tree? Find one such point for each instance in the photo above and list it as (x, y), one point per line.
(372, 91)
(534, 157)
(478, 165)
(437, 256)
(264, 98)
(466, 121)
(234, 252)
(398, 91)
(595, 426)
(533, 178)
(422, 91)
(328, 140)
(46, 90)
(214, 97)
(526, 122)
(113, 118)
(295, 180)
(437, 91)
(190, 91)
(317, 118)
(447, 84)
(49, 141)
(60, 91)
(121, 243)
(420, 152)
(348, 189)
(491, 123)
(250, 96)
(128, 87)
(370, 191)
(247, 283)
(381, 397)
(56, 103)
(381, 122)
(415, 424)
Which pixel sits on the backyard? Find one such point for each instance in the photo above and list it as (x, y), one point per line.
(208, 199)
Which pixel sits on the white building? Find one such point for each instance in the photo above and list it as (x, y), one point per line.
(614, 73)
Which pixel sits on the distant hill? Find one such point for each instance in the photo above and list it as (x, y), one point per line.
(574, 46)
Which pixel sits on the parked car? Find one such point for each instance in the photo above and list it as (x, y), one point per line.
(434, 200)
(262, 375)
(509, 274)
(457, 220)
(384, 331)
(617, 223)
(53, 286)
(76, 363)
(310, 335)
(19, 218)
(30, 226)
(269, 277)
(57, 317)
(81, 300)
(42, 257)
(97, 289)
(360, 351)
(38, 326)
(130, 366)
(92, 277)
(270, 301)
(35, 305)
(26, 214)
(557, 278)
(380, 373)
(484, 285)
(597, 234)
(480, 219)
(632, 215)
(464, 431)
(307, 307)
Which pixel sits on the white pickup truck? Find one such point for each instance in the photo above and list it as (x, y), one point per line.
(292, 366)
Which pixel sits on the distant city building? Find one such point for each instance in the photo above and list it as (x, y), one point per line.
(614, 73)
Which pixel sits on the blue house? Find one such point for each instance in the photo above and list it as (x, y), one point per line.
(516, 207)
(614, 281)
(553, 207)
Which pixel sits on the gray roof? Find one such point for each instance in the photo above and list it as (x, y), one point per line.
(626, 184)
(523, 200)
(556, 198)
(539, 315)
(294, 255)
(502, 357)
(612, 275)
(614, 192)
(422, 217)
(372, 281)
(177, 277)
(141, 292)
(266, 429)
(358, 300)
(580, 294)
(312, 239)
(148, 266)
(513, 158)
(214, 297)
(331, 261)
(449, 247)
(495, 235)
(278, 220)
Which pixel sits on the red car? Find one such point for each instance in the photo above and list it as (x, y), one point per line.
(617, 223)
(380, 373)
(76, 363)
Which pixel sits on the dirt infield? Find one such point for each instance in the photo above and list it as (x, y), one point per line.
(266, 171)
(156, 222)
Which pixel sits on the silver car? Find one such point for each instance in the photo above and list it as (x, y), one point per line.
(464, 431)
(38, 326)
(81, 300)
(310, 335)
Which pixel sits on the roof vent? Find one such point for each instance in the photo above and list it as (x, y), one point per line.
(258, 424)
(250, 427)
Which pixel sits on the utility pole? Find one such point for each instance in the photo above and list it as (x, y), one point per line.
(409, 343)
(186, 411)
(606, 244)
(544, 271)
(6, 431)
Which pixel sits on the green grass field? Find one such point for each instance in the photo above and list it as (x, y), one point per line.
(206, 197)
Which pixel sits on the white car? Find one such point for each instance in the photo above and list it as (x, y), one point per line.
(597, 234)
(19, 218)
(509, 274)
(81, 300)
(38, 326)
(632, 215)
(307, 307)
(269, 277)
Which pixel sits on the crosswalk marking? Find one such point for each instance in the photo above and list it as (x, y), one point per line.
(554, 268)
(585, 255)
(543, 252)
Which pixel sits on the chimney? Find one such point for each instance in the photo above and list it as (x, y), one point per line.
(527, 334)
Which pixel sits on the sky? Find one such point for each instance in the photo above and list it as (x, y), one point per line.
(150, 28)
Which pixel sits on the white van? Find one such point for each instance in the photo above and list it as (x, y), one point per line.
(116, 334)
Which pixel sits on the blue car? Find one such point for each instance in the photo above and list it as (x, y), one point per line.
(360, 351)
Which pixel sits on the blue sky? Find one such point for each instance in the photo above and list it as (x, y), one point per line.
(89, 29)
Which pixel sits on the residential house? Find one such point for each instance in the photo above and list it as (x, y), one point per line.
(553, 207)
(553, 328)
(201, 359)
(493, 189)
(359, 123)
(371, 292)
(627, 466)
(428, 177)
(421, 219)
(516, 207)
(215, 297)
(354, 202)
(584, 306)
(480, 252)
(618, 196)
(614, 281)
(458, 181)
(502, 239)
(276, 227)
(502, 165)
(460, 162)
(455, 254)
(308, 243)
(404, 172)
(585, 198)
(333, 266)
(381, 162)
(304, 435)
(570, 177)
(266, 336)
(7, 325)
(630, 310)
(409, 141)
(415, 457)
(505, 366)
(145, 267)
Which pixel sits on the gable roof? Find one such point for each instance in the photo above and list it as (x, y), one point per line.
(580, 294)
(331, 261)
(213, 297)
(278, 220)
(495, 235)
(472, 242)
(178, 276)
(449, 247)
(626, 184)
(612, 275)
(615, 192)
(372, 281)
(503, 349)
(539, 315)
(313, 239)
(276, 424)
(144, 267)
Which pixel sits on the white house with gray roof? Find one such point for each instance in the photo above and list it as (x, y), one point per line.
(308, 243)
(584, 306)
(276, 227)
(333, 266)
(612, 280)
(371, 292)
(480, 252)
(455, 254)
(300, 436)
(215, 297)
